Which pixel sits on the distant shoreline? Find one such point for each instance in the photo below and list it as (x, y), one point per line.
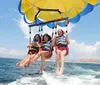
(75, 61)
(69, 61)
(83, 62)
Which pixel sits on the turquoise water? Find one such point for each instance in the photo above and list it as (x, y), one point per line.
(75, 74)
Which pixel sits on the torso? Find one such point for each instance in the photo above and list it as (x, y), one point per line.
(34, 47)
(46, 45)
(61, 41)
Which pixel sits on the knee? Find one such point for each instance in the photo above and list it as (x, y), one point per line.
(63, 53)
(58, 52)
(40, 52)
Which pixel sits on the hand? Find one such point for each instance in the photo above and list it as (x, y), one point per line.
(28, 46)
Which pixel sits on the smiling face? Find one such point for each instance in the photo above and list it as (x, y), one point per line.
(60, 32)
(46, 38)
(37, 38)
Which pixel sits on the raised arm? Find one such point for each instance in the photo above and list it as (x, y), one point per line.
(30, 45)
(53, 40)
(39, 44)
(67, 40)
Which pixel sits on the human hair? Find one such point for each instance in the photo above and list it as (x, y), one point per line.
(36, 39)
(62, 31)
(49, 37)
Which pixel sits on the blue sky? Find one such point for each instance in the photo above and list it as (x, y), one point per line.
(10, 34)
(87, 30)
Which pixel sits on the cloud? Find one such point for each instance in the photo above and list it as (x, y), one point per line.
(25, 29)
(83, 51)
(11, 53)
(16, 10)
(70, 26)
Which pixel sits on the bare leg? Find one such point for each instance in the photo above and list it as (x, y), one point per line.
(42, 63)
(43, 57)
(27, 57)
(33, 59)
(38, 55)
(63, 53)
(57, 61)
(29, 62)
(26, 61)
(23, 60)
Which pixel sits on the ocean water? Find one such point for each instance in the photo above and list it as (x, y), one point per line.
(75, 74)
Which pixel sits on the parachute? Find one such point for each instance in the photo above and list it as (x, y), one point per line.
(46, 12)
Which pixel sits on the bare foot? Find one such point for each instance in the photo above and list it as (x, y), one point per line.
(57, 72)
(41, 72)
(60, 73)
(17, 64)
(21, 65)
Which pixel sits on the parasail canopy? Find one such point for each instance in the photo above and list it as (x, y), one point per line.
(38, 12)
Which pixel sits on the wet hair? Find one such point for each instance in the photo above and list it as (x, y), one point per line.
(38, 36)
(62, 31)
(49, 37)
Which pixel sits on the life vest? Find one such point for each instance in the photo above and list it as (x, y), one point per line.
(61, 41)
(35, 47)
(46, 45)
